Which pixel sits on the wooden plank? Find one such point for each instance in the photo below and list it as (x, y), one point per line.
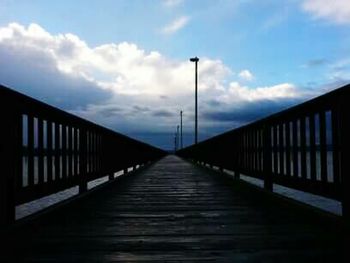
(178, 210)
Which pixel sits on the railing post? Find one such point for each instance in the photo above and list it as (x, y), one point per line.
(83, 161)
(267, 160)
(125, 171)
(344, 143)
(110, 176)
(236, 156)
(10, 140)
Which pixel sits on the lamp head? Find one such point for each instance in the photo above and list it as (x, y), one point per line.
(195, 59)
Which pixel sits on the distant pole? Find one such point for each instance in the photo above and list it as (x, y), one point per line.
(181, 129)
(175, 143)
(177, 137)
(195, 59)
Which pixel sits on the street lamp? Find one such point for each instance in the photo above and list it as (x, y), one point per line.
(195, 59)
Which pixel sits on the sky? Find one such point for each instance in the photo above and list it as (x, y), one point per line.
(124, 64)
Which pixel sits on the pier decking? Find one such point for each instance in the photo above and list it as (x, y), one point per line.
(176, 211)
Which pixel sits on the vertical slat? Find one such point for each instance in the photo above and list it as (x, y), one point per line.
(64, 151)
(287, 127)
(323, 146)
(49, 150)
(57, 152)
(258, 150)
(281, 146)
(41, 151)
(76, 151)
(99, 154)
(275, 150)
(295, 149)
(335, 144)
(344, 145)
(250, 151)
(18, 122)
(30, 150)
(88, 167)
(240, 155)
(94, 152)
(10, 161)
(70, 151)
(83, 160)
(303, 147)
(268, 178)
(312, 147)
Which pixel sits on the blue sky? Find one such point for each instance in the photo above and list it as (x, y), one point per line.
(124, 64)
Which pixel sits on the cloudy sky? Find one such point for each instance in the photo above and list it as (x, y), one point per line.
(124, 63)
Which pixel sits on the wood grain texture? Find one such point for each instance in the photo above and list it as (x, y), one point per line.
(174, 211)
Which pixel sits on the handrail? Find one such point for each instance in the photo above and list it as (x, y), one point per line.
(304, 147)
(44, 150)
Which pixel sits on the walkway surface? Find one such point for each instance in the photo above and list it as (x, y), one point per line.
(175, 211)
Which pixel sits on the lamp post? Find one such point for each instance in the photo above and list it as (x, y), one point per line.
(181, 144)
(195, 59)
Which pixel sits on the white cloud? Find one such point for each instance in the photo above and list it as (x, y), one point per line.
(175, 25)
(276, 92)
(336, 11)
(119, 84)
(172, 3)
(246, 75)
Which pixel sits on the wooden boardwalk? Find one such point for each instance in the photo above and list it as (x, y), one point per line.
(175, 211)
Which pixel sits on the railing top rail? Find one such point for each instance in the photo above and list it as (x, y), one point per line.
(22, 102)
(310, 105)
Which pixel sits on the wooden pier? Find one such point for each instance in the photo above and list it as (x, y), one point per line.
(172, 212)
(171, 208)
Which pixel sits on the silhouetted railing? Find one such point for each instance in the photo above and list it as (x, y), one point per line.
(305, 147)
(44, 150)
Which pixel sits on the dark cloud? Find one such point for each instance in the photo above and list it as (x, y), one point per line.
(214, 103)
(162, 113)
(35, 74)
(250, 111)
(141, 108)
(111, 111)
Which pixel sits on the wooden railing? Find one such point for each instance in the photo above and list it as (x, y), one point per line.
(44, 150)
(305, 147)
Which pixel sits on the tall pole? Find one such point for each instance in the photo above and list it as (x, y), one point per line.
(195, 59)
(181, 129)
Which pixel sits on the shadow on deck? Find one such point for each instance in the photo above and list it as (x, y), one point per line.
(175, 211)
